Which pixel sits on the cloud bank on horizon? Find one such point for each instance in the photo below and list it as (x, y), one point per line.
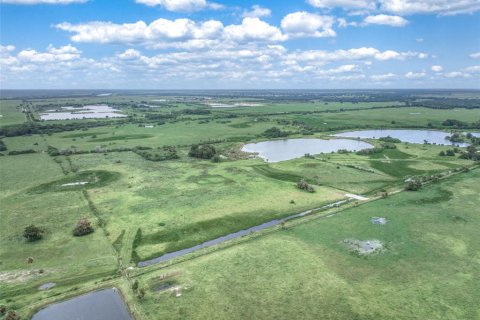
(166, 44)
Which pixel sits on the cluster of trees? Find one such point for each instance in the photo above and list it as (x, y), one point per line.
(416, 183)
(456, 137)
(203, 151)
(303, 185)
(34, 233)
(471, 154)
(449, 153)
(275, 132)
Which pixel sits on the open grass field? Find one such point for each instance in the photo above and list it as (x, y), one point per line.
(10, 113)
(427, 271)
(141, 209)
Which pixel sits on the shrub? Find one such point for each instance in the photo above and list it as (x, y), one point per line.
(450, 153)
(303, 185)
(33, 233)
(17, 152)
(442, 154)
(12, 315)
(413, 185)
(135, 285)
(82, 228)
(140, 293)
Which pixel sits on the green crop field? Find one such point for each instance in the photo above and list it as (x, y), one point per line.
(148, 189)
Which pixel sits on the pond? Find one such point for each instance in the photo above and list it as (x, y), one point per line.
(105, 304)
(411, 136)
(86, 112)
(281, 150)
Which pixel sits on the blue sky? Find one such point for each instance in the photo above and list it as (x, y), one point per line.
(200, 44)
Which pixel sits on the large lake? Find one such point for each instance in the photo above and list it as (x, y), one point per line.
(105, 304)
(411, 136)
(281, 150)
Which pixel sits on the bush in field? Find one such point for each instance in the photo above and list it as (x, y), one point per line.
(204, 151)
(303, 185)
(12, 315)
(135, 285)
(33, 233)
(3, 309)
(413, 185)
(450, 153)
(82, 228)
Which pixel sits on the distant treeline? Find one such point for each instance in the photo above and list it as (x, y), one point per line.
(461, 124)
(160, 154)
(446, 103)
(29, 128)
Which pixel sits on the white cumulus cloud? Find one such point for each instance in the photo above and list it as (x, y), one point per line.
(387, 20)
(346, 4)
(383, 77)
(65, 53)
(304, 24)
(253, 29)
(257, 12)
(183, 33)
(475, 55)
(181, 5)
(415, 75)
(437, 68)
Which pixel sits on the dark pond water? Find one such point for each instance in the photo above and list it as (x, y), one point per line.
(411, 136)
(281, 150)
(241, 233)
(105, 304)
